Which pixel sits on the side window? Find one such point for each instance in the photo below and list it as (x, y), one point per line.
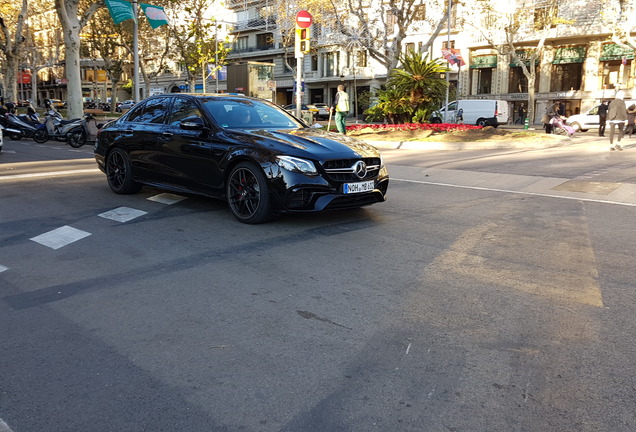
(182, 109)
(153, 111)
(135, 113)
(594, 111)
(452, 106)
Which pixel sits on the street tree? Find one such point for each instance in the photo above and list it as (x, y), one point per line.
(518, 30)
(73, 15)
(12, 39)
(380, 26)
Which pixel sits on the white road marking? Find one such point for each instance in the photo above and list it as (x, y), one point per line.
(3, 268)
(4, 427)
(122, 214)
(167, 198)
(516, 192)
(49, 174)
(60, 237)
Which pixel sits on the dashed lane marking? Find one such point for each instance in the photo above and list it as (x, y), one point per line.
(3, 268)
(60, 237)
(122, 214)
(167, 198)
(4, 427)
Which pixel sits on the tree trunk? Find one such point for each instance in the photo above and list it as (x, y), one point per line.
(11, 78)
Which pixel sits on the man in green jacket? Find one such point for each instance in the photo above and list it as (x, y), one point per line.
(341, 106)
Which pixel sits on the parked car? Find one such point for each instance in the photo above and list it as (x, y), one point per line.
(480, 112)
(304, 109)
(125, 105)
(56, 103)
(247, 151)
(589, 119)
(323, 110)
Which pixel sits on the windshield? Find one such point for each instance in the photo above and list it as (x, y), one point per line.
(249, 114)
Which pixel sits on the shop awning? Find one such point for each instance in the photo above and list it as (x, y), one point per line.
(569, 54)
(613, 51)
(483, 61)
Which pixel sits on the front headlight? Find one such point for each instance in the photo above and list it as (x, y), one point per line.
(298, 165)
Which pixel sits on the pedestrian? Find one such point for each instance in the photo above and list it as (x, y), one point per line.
(602, 118)
(460, 116)
(341, 106)
(550, 112)
(616, 116)
(631, 116)
(521, 111)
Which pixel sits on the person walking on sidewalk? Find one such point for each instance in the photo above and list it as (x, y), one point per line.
(341, 106)
(617, 115)
(602, 118)
(631, 117)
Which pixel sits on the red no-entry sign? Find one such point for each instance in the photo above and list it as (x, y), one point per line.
(303, 19)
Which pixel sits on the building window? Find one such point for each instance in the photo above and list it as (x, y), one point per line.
(484, 80)
(331, 64)
(409, 47)
(566, 76)
(265, 41)
(361, 59)
(611, 76)
(517, 81)
(545, 13)
(242, 43)
(314, 62)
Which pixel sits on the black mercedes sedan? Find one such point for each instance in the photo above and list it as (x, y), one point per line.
(248, 151)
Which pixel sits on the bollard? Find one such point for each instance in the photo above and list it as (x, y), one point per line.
(526, 124)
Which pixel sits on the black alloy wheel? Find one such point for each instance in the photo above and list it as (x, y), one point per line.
(248, 194)
(40, 136)
(76, 138)
(119, 173)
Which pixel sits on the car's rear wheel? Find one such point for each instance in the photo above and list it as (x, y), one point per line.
(119, 173)
(248, 194)
(576, 126)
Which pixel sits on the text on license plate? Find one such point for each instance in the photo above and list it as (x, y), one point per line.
(350, 188)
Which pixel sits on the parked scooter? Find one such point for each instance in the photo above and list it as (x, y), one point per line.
(87, 133)
(16, 128)
(58, 128)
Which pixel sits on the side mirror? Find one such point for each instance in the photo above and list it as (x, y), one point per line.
(192, 123)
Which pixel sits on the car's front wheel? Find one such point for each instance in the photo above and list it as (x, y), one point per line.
(248, 194)
(119, 173)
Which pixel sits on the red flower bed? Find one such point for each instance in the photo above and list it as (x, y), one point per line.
(435, 127)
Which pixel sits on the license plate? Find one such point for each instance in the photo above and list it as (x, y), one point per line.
(366, 186)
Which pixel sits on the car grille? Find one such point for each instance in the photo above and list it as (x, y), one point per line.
(344, 170)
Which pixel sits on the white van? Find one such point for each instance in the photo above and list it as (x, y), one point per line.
(480, 112)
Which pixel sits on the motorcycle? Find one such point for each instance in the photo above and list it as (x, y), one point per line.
(86, 133)
(58, 128)
(16, 128)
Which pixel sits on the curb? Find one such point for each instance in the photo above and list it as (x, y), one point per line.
(469, 145)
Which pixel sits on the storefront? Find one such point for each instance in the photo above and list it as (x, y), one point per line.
(482, 71)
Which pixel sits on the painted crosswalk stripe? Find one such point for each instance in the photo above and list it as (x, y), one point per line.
(60, 237)
(167, 198)
(122, 214)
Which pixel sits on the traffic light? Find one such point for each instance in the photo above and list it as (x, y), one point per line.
(302, 40)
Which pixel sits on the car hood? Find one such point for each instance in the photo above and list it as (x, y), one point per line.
(312, 142)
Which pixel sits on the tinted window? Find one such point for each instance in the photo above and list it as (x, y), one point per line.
(248, 114)
(182, 109)
(152, 111)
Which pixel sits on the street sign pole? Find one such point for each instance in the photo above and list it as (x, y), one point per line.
(303, 21)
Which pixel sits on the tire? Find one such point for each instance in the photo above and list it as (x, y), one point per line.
(76, 138)
(15, 137)
(436, 120)
(482, 122)
(248, 194)
(576, 126)
(119, 173)
(40, 136)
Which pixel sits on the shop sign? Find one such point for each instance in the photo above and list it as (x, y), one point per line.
(570, 54)
(484, 61)
(613, 51)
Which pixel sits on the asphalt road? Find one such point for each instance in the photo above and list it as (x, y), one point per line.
(493, 292)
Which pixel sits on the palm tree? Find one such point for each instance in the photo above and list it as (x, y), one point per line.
(421, 80)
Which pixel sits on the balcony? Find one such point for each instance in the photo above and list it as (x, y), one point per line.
(268, 23)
